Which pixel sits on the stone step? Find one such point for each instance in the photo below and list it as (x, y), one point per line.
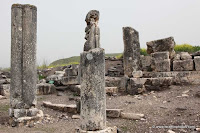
(61, 107)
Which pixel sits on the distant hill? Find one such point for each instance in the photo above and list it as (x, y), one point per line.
(76, 60)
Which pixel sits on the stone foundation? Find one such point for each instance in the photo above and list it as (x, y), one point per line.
(179, 77)
(25, 117)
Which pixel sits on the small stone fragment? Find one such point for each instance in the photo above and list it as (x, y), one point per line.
(132, 116)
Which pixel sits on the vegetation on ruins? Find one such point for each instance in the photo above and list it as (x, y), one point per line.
(186, 48)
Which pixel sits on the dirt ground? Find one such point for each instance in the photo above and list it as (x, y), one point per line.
(177, 106)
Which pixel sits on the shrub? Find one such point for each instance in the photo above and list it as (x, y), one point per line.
(143, 51)
(184, 48)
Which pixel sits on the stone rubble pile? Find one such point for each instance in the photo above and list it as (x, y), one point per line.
(4, 84)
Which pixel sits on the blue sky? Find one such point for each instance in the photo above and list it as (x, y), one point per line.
(61, 24)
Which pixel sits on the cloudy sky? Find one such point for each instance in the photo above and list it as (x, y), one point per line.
(61, 24)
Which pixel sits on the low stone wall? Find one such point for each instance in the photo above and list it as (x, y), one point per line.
(179, 77)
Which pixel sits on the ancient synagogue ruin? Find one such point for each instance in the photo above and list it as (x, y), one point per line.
(96, 78)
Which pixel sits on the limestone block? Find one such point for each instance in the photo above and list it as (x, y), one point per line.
(137, 74)
(71, 108)
(183, 65)
(160, 55)
(45, 89)
(70, 80)
(166, 44)
(136, 86)
(158, 84)
(71, 70)
(177, 57)
(113, 113)
(132, 116)
(185, 56)
(111, 90)
(146, 62)
(113, 81)
(162, 65)
(197, 63)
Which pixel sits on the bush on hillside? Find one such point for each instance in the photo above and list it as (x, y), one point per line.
(143, 51)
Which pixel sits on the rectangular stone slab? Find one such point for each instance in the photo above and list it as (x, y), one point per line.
(183, 65)
(197, 63)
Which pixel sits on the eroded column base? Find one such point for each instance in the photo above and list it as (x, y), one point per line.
(25, 117)
(107, 130)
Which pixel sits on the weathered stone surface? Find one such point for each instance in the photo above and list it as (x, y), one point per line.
(197, 63)
(131, 55)
(183, 65)
(160, 62)
(166, 44)
(177, 57)
(111, 90)
(162, 65)
(76, 117)
(71, 108)
(56, 78)
(16, 55)
(2, 97)
(27, 120)
(160, 55)
(123, 84)
(23, 56)
(113, 81)
(114, 67)
(75, 88)
(131, 116)
(196, 53)
(45, 89)
(185, 56)
(93, 101)
(70, 80)
(107, 130)
(140, 85)
(2, 92)
(61, 107)
(136, 86)
(71, 70)
(158, 84)
(146, 63)
(137, 74)
(113, 113)
(179, 77)
(92, 31)
(114, 72)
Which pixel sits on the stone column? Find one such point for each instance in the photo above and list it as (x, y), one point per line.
(93, 96)
(92, 79)
(131, 54)
(23, 61)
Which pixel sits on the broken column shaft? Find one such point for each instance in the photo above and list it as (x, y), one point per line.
(131, 54)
